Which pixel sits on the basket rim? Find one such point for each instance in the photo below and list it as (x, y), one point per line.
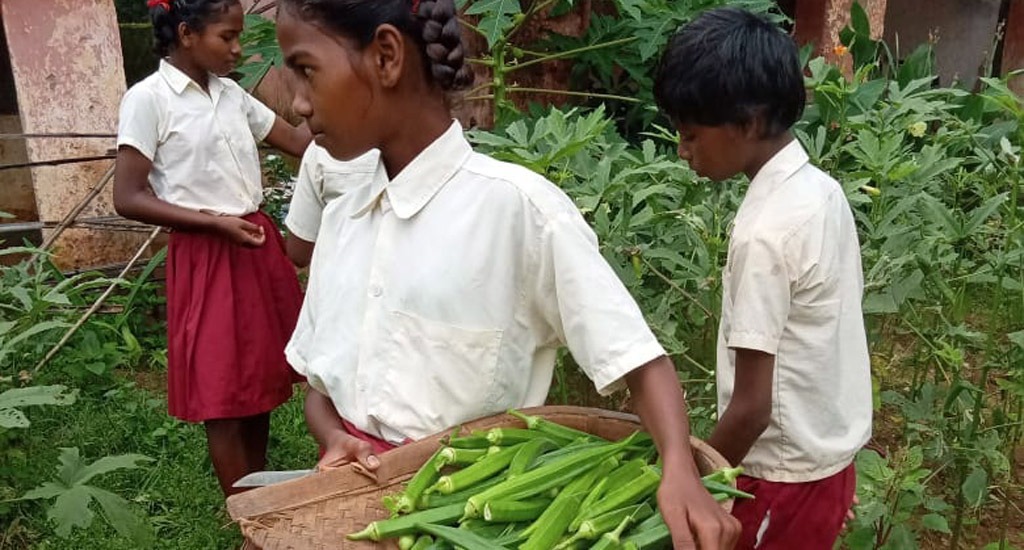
(351, 480)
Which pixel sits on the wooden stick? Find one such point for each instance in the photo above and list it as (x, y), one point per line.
(73, 214)
(99, 301)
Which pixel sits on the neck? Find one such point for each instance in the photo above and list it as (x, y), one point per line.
(184, 64)
(764, 151)
(415, 133)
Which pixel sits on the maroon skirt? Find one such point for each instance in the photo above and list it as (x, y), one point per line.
(230, 311)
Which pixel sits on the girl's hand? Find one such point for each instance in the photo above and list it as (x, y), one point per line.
(240, 231)
(692, 515)
(342, 449)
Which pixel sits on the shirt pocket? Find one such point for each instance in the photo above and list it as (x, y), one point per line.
(437, 375)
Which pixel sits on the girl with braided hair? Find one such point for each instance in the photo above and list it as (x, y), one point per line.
(187, 160)
(441, 289)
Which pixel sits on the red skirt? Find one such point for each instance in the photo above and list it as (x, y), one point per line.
(794, 516)
(230, 311)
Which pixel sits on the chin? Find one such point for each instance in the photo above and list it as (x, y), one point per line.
(337, 150)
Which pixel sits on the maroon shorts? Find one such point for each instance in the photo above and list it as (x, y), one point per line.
(230, 311)
(794, 516)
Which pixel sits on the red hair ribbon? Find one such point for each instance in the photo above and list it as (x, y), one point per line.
(415, 6)
(154, 3)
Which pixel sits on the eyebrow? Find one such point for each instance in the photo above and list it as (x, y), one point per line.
(293, 59)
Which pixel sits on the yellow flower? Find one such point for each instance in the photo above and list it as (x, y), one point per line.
(840, 50)
(917, 129)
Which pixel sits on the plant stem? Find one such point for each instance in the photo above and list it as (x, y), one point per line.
(570, 53)
(518, 89)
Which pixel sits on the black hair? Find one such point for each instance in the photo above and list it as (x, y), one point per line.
(729, 66)
(196, 14)
(433, 24)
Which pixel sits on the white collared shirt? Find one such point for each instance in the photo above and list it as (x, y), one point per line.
(793, 287)
(203, 146)
(443, 295)
(321, 179)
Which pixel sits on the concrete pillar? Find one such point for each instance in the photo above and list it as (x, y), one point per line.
(1013, 45)
(819, 22)
(66, 62)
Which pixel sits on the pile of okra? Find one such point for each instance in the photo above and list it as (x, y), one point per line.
(545, 487)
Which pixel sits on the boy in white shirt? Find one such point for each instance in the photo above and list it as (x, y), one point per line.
(321, 179)
(793, 371)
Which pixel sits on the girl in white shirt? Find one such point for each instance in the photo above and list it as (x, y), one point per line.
(442, 290)
(187, 160)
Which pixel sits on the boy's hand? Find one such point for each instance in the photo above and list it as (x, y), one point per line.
(692, 515)
(342, 449)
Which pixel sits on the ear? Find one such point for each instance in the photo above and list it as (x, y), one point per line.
(388, 55)
(754, 129)
(185, 34)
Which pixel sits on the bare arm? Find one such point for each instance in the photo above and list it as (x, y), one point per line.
(134, 199)
(689, 511)
(750, 408)
(338, 446)
(289, 139)
(300, 251)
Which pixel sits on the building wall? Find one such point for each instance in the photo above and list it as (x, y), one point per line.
(66, 61)
(963, 32)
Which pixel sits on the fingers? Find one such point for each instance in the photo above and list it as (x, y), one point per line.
(364, 454)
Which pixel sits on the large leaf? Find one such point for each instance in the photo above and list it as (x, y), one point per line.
(121, 517)
(975, 487)
(45, 491)
(71, 509)
(495, 17)
(13, 418)
(37, 395)
(109, 464)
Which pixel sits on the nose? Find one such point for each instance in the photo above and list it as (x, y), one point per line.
(301, 104)
(684, 151)
(236, 48)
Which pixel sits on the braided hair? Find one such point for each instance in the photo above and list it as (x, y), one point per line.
(168, 15)
(433, 24)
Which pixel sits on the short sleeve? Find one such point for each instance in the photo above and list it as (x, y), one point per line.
(138, 124)
(261, 118)
(300, 340)
(759, 287)
(307, 204)
(588, 307)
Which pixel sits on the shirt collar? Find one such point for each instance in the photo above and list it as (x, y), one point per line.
(179, 81)
(779, 168)
(418, 182)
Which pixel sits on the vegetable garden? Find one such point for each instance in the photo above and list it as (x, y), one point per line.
(90, 459)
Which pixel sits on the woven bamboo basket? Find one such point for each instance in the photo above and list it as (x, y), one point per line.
(316, 512)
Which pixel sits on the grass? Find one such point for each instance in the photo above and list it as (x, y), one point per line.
(178, 491)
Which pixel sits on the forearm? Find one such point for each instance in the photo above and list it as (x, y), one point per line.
(737, 430)
(322, 418)
(148, 208)
(659, 402)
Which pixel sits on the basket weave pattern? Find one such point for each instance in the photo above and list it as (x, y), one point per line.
(316, 512)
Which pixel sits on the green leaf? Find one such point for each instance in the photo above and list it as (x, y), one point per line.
(13, 418)
(47, 490)
(109, 464)
(1017, 338)
(71, 509)
(982, 213)
(496, 17)
(120, 516)
(935, 522)
(37, 395)
(71, 465)
(975, 486)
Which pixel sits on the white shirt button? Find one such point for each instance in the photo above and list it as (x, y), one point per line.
(376, 291)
